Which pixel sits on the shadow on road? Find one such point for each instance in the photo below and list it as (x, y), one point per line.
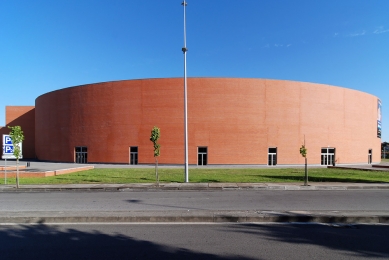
(139, 202)
(368, 241)
(50, 242)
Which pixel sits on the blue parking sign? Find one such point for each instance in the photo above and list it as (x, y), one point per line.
(8, 148)
(7, 140)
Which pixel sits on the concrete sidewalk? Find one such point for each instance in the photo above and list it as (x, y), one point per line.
(195, 187)
(52, 166)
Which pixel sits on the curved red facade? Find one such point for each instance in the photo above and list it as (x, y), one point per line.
(238, 121)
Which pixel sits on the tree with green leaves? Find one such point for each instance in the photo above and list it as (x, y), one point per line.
(17, 137)
(303, 152)
(155, 135)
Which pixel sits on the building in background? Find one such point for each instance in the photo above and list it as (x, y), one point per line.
(230, 121)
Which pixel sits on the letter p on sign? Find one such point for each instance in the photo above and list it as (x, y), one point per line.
(9, 150)
(7, 140)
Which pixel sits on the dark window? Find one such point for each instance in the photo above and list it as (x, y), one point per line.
(323, 159)
(205, 159)
(202, 149)
(272, 150)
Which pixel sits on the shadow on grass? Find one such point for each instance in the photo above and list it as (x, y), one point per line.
(145, 179)
(49, 242)
(208, 180)
(321, 179)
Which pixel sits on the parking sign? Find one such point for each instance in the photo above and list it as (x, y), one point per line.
(8, 148)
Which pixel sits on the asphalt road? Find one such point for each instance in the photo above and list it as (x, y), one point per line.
(358, 200)
(199, 241)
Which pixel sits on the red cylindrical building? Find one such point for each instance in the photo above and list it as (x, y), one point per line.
(230, 121)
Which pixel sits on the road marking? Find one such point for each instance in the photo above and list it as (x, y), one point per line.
(199, 223)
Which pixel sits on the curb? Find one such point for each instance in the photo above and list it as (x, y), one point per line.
(184, 187)
(198, 217)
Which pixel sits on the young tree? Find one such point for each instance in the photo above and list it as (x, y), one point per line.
(155, 135)
(303, 152)
(17, 137)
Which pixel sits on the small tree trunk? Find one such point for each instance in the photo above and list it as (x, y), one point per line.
(17, 173)
(306, 173)
(156, 171)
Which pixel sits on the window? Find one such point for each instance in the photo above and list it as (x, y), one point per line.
(370, 157)
(202, 155)
(133, 154)
(81, 154)
(272, 156)
(328, 156)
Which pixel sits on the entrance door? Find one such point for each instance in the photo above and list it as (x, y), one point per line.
(134, 155)
(328, 156)
(370, 157)
(272, 156)
(81, 154)
(202, 156)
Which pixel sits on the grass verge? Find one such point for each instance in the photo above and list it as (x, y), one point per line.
(122, 176)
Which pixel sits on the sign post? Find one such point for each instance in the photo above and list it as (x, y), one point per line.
(8, 153)
(5, 171)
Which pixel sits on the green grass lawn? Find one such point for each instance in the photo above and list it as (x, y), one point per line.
(385, 160)
(209, 175)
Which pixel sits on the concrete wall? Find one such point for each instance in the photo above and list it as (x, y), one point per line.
(237, 119)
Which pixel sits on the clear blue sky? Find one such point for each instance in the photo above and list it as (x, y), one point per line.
(47, 45)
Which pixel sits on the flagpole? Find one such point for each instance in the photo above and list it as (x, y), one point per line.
(184, 50)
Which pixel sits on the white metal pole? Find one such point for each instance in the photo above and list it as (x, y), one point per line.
(5, 172)
(184, 50)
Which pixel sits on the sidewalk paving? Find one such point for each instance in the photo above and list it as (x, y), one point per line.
(194, 187)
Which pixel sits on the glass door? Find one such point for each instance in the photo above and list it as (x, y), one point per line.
(81, 154)
(134, 155)
(272, 156)
(328, 156)
(202, 156)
